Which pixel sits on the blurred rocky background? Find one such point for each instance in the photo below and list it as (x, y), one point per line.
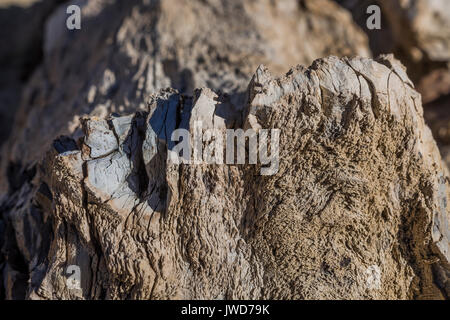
(51, 78)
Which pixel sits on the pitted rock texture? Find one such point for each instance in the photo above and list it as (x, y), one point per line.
(127, 50)
(360, 185)
(418, 33)
(422, 29)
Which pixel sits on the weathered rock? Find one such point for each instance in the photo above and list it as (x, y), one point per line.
(422, 29)
(127, 50)
(418, 32)
(21, 37)
(360, 187)
(438, 118)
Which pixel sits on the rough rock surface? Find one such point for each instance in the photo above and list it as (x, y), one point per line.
(418, 32)
(127, 50)
(360, 185)
(422, 29)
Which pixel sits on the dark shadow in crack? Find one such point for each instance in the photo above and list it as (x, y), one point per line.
(149, 141)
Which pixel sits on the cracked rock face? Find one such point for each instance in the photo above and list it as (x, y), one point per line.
(127, 50)
(356, 210)
(360, 187)
(417, 32)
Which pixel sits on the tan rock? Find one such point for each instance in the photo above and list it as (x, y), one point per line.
(357, 209)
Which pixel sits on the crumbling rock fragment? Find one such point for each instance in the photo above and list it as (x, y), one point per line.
(21, 37)
(357, 208)
(127, 50)
(360, 187)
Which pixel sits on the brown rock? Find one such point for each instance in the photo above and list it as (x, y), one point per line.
(357, 208)
(417, 32)
(127, 50)
(21, 37)
(361, 192)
